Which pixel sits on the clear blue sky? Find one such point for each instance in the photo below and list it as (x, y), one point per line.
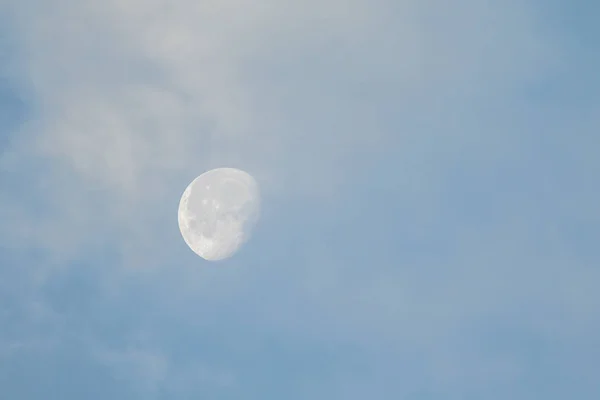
(431, 203)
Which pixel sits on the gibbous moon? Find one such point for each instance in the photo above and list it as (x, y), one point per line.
(217, 212)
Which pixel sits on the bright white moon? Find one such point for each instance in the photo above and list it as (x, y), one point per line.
(217, 212)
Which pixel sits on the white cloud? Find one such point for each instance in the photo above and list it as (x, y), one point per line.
(133, 99)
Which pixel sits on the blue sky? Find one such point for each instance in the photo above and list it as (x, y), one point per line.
(430, 213)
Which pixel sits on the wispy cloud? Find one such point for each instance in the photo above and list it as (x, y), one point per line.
(132, 100)
(411, 207)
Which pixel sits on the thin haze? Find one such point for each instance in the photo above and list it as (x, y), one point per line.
(430, 183)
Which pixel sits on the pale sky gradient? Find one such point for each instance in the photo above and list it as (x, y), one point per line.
(430, 176)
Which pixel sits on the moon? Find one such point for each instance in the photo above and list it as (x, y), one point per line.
(218, 211)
